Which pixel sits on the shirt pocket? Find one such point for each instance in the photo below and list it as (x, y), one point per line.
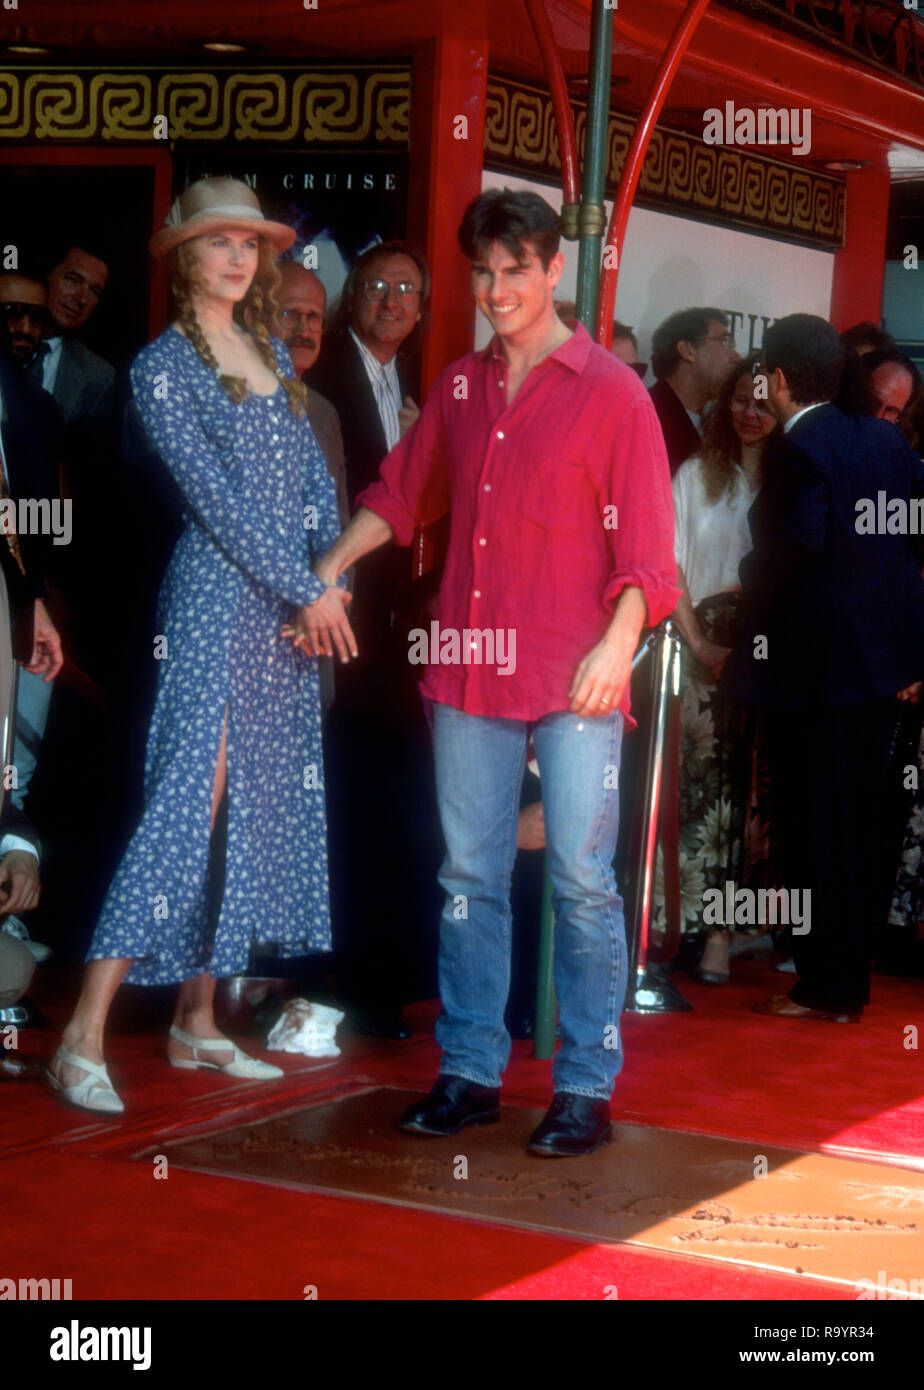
(555, 495)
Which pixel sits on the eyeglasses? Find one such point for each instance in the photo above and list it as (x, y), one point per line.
(725, 339)
(377, 290)
(38, 313)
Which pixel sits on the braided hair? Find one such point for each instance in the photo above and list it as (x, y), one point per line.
(260, 300)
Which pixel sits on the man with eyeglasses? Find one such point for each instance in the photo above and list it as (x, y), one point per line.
(362, 366)
(377, 750)
(691, 352)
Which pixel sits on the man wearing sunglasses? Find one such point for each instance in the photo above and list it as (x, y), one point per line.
(24, 301)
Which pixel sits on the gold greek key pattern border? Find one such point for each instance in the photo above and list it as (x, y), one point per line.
(680, 173)
(362, 108)
(369, 109)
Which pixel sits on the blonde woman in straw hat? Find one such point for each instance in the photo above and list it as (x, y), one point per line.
(237, 710)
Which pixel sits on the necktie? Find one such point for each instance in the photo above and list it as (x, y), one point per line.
(36, 364)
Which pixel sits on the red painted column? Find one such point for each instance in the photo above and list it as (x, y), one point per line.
(859, 269)
(448, 89)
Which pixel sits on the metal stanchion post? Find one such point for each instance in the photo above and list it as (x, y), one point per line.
(648, 990)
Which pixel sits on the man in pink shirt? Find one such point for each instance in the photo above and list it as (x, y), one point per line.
(548, 454)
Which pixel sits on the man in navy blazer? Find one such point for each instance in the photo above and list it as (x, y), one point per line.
(835, 632)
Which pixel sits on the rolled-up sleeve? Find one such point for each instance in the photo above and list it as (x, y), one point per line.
(413, 486)
(637, 482)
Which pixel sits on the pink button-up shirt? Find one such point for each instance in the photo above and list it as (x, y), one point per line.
(558, 500)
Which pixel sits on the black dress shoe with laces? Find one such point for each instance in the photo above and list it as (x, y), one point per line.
(453, 1103)
(574, 1125)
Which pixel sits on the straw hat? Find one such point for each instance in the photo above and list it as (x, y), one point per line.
(212, 205)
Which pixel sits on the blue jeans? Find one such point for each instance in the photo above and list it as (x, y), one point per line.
(479, 771)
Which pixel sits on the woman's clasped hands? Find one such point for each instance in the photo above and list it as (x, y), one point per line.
(322, 628)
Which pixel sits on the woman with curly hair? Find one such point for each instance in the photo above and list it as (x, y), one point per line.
(237, 713)
(720, 824)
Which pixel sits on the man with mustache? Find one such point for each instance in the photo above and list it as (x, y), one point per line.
(299, 322)
(300, 317)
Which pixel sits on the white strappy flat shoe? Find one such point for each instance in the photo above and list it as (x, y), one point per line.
(94, 1092)
(240, 1065)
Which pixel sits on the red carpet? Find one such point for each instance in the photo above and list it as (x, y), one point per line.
(74, 1196)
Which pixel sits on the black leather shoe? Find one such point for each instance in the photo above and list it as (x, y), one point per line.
(574, 1125)
(452, 1104)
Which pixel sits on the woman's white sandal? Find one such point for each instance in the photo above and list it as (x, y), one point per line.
(94, 1092)
(240, 1065)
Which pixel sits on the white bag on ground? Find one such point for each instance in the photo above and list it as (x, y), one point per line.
(306, 1028)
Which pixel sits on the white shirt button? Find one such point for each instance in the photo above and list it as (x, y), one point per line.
(482, 541)
(487, 487)
(500, 434)
(477, 593)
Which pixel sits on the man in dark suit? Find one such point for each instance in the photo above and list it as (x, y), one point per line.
(835, 631)
(691, 353)
(27, 441)
(382, 804)
(81, 381)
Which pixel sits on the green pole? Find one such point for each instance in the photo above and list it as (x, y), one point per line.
(591, 227)
(544, 1036)
(592, 218)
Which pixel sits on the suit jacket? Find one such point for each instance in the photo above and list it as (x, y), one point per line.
(32, 432)
(325, 422)
(340, 377)
(382, 588)
(841, 612)
(84, 386)
(681, 437)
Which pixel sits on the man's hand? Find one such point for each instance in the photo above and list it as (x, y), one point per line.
(47, 656)
(712, 655)
(601, 680)
(407, 414)
(604, 674)
(19, 882)
(911, 693)
(322, 628)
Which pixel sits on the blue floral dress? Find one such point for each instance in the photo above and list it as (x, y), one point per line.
(260, 509)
